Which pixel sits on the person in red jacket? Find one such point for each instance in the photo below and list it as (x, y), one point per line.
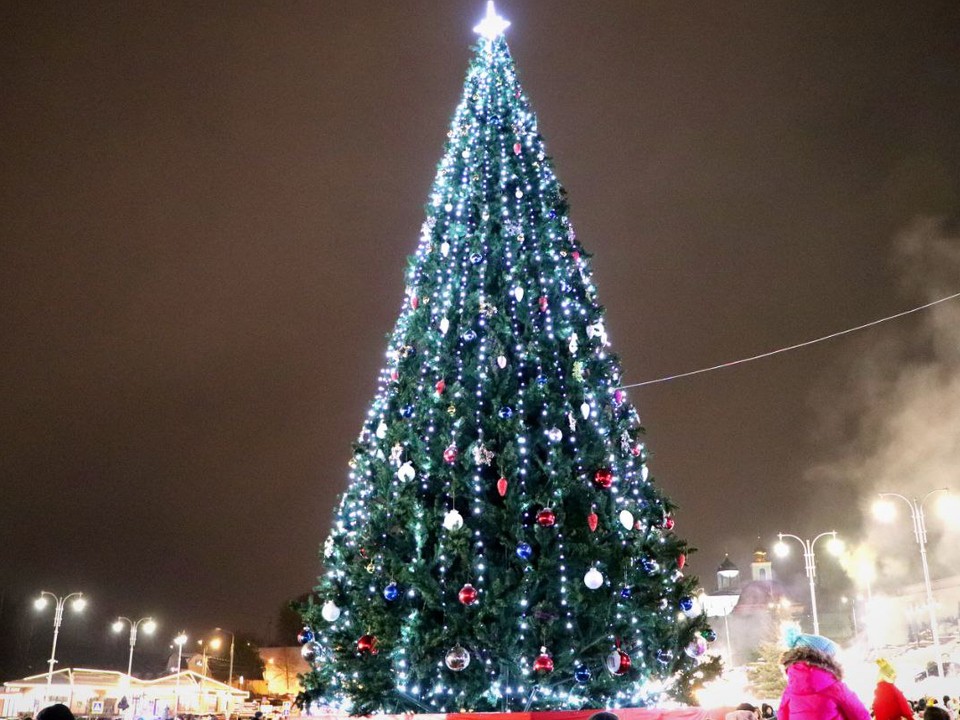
(815, 688)
(888, 702)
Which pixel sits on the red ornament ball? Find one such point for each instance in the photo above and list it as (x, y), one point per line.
(546, 518)
(517, 148)
(450, 455)
(543, 663)
(441, 386)
(668, 522)
(414, 302)
(575, 255)
(604, 478)
(502, 487)
(592, 521)
(468, 594)
(543, 303)
(618, 662)
(367, 644)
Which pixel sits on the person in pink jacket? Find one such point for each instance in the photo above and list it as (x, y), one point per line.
(815, 688)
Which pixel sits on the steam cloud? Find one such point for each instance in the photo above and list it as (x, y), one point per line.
(896, 415)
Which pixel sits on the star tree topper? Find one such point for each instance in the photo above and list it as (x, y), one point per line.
(492, 26)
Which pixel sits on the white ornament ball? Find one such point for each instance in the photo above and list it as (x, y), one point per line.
(502, 362)
(518, 293)
(585, 410)
(444, 326)
(644, 473)
(696, 648)
(406, 473)
(453, 520)
(555, 435)
(626, 519)
(382, 430)
(593, 579)
(445, 249)
(458, 658)
(330, 612)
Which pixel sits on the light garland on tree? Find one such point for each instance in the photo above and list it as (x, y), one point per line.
(500, 463)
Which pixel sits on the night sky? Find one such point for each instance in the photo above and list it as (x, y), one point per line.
(206, 209)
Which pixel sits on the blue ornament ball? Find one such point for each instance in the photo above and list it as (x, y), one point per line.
(650, 566)
(391, 592)
(582, 675)
(524, 551)
(506, 413)
(469, 336)
(476, 258)
(541, 380)
(407, 411)
(305, 636)
(710, 635)
(686, 603)
(626, 593)
(664, 657)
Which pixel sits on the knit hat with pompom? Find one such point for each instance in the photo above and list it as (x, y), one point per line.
(796, 639)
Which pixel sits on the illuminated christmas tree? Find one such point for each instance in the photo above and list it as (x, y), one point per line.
(501, 545)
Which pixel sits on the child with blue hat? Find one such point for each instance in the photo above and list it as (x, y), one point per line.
(815, 688)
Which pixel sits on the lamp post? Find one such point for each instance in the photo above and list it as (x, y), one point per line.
(149, 625)
(885, 511)
(853, 611)
(233, 639)
(40, 603)
(180, 640)
(810, 563)
(203, 658)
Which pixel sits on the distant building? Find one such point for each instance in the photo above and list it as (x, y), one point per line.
(751, 612)
(107, 692)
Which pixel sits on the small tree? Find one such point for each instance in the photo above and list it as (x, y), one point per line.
(765, 674)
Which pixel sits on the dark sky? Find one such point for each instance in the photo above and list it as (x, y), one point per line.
(206, 209)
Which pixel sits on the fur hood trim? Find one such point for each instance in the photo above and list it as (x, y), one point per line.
(812, 657)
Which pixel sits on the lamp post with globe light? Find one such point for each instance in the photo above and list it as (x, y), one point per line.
(40, 603)
(835, 547)
(885, 511)
(180, 640)
(149, 625)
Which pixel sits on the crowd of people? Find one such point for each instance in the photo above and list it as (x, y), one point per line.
(816, 691)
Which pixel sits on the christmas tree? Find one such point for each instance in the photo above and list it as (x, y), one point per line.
(501, 545)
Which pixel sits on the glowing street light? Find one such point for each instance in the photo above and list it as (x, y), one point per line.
(149, 625)
(834, 547)
(78, 604)
(180, 640)
(885, 510)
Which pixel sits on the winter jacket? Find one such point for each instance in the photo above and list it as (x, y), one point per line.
(889, 703)
(815, 691)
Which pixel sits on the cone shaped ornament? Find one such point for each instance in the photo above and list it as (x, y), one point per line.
(504, 297)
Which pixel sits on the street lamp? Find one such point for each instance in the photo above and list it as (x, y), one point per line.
(180, 640)
(834, 546)
(233, 639)
(885, 511)
(40, 603)
(203, 659)
(149, 625)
